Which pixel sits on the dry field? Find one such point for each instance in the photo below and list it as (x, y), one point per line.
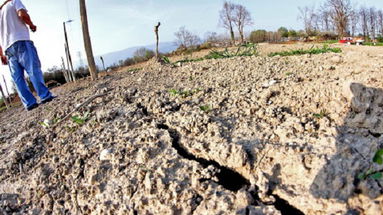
(244, 135)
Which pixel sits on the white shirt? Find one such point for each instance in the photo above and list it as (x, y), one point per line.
(12, 28)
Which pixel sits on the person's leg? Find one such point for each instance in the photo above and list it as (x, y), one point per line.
(17, 73)
(30, 61)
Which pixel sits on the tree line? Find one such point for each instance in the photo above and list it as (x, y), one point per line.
(343, 18)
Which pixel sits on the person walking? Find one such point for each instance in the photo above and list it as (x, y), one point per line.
(20, 52)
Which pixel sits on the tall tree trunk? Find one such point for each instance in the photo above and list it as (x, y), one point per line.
(240, 31)
(232, 36)
(242, 37)
(87, 42)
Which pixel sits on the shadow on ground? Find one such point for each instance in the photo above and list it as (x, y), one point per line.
(358, 139)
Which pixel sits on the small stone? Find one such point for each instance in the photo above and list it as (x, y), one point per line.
(106, 154)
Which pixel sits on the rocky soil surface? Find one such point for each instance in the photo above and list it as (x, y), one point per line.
(245, 135)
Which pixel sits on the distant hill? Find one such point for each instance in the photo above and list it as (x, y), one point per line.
(115, 57)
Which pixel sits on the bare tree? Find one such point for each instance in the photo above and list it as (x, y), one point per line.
(340, 15)
(309, 18)
(241, 19)
(354, 21)
(186, 39)
(226, 18)
(211, 37)
(363, 14)
(372, 16)
(324, 18)
(379, 22)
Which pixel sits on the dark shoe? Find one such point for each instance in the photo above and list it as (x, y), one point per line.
(32, 107)
(48, 99)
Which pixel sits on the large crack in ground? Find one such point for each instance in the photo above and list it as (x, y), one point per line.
(284, 207)
(228, 178)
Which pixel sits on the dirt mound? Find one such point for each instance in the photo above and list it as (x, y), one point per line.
(245, 135)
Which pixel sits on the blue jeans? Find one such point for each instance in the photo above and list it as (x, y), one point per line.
(22, 55)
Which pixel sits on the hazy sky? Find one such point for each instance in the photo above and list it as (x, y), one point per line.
(120, 24)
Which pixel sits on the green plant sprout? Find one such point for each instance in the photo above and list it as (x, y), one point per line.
(80, 120)
(371, 173)
(205, 108)
(165, 59)
(44, 124)
(323, 113)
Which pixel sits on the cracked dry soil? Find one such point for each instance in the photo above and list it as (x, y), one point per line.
(246, 135)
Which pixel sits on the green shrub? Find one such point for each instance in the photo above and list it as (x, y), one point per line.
(292, 33)
(258, 36)
(283, 32)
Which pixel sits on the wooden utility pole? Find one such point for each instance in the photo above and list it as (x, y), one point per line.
(67, 51)
(87, 42)
(70, 72)
(65, 72)
(157, 39)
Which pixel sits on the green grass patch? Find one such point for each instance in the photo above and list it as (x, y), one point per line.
(134, 70)
(372, 44)
(189, 60)
(324, 49)
(245, 50)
